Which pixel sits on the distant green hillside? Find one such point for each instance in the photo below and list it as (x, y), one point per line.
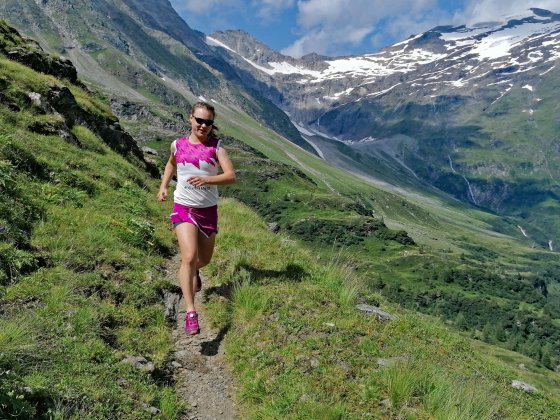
(500, 156)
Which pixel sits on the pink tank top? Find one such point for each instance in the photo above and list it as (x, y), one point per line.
(196, 160)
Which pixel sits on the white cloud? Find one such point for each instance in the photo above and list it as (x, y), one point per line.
(269, 10)
(327, 26)
(333, 27)
(477, 11)
(263, 9)
(198, 7)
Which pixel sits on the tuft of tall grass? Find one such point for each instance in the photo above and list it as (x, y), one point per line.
(421, 387)
(249, 300)
(170, 404)
(338, 276)
(17, 343)
(453, 400)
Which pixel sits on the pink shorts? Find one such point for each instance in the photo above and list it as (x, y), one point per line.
(205, 219)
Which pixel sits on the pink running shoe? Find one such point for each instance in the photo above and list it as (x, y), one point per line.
(198, 285)
(191, 323)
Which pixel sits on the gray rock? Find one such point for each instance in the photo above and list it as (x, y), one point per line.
(153, 410)
(523, 386)
(35, 99)
(274, 227)
(522, 366)
(390, 361)
(44, 63)
(171, 300)
(149, 150)
(182, 353)
(373, 310)
(139, 363)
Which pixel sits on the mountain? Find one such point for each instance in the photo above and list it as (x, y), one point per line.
(145, 58)
(468, 110)
(463, 112)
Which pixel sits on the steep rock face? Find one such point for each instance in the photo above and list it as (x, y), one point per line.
(59, 99)
(30, 53)
(479, 101)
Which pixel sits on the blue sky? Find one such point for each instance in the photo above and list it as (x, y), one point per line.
(342, 27)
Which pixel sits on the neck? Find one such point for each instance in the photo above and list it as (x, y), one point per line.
(197, 139)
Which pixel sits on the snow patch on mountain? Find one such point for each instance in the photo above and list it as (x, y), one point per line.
(495, 42)
(216, 43)
(445, 58)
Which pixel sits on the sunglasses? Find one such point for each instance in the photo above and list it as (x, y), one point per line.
(201, 121)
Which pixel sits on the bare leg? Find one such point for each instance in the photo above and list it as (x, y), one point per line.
(187, 235)
(205, 251)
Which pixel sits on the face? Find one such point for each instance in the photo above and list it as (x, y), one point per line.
(205, 120)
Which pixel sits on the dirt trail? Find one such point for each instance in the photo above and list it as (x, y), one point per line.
(203, 379)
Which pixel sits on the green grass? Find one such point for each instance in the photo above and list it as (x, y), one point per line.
(298, 345)
(82, 246)
(448, 234)
(489, 284)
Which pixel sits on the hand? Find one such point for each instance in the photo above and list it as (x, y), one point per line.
(162, 195)
(197, 181)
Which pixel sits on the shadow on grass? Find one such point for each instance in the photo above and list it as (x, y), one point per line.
(292, 273)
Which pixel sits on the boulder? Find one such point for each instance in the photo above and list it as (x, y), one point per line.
(274, 227)
(373, 310)
(523, 386)
(139, 363)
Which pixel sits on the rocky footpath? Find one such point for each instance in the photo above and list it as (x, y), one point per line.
(201, 374)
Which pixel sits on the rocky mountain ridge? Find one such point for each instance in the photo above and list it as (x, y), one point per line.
(468, 110)
(445, 58)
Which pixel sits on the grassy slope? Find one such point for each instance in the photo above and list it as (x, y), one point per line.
(449, 236)
(300, 349)
(80, 285)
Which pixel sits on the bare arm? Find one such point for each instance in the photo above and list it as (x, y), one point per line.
(227, 177)
(170, 168)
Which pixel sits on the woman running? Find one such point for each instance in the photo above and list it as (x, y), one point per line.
(195, 158)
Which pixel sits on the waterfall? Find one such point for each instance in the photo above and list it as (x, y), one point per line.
(451, 164)
(471, 193)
